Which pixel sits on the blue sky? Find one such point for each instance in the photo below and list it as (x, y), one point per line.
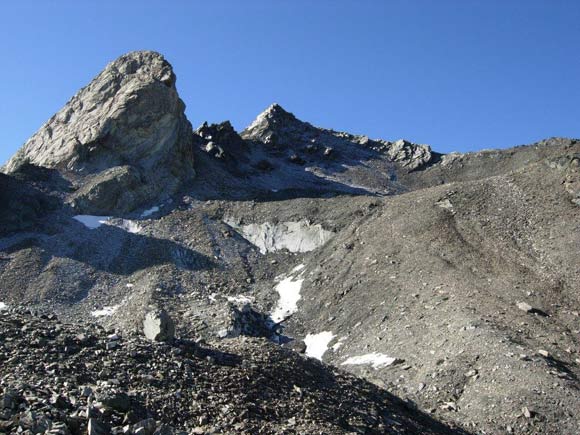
(459, 75)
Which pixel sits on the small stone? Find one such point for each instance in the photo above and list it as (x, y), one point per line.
(449, 406)
(544, 353)
(526, 412)
(525, 307)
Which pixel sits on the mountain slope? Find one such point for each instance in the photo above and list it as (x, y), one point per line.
(449, 280)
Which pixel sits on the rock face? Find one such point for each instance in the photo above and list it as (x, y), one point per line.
(158, 326)
(410, 155)
(278, 128)
(126, 131)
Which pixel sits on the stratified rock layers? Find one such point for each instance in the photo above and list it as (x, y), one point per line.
(125, 135)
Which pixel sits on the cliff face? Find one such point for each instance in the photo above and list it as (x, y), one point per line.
(125, 135)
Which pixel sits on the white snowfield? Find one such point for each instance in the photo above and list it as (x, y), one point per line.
(289, 294)
(3, 306)
(377, 360)
(317, 344)
(298, 236)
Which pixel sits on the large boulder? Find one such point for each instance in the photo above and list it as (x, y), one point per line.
(158, 326)
(129, 116)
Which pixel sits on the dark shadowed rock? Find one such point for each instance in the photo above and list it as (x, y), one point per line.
(21, 204)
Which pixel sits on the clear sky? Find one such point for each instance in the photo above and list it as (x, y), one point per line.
(457, 74)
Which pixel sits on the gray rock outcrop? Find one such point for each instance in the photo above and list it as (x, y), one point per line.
(158, 326)
(126, 132)
(409, 155)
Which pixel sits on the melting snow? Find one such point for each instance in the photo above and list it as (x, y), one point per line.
(298, 268)
(91, 222)
(106, 311)
(3, 306)
(317, 344)
(376, 359)
(127, 225)
(241, 299)
(289, 291)
(150, 211)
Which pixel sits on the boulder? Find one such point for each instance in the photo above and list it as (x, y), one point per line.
(158, 326)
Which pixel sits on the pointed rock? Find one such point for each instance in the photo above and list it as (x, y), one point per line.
(130, 115)
(274, 126)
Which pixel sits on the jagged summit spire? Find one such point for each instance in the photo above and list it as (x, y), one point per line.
(266, 123)
(276, 109)
(274, 112)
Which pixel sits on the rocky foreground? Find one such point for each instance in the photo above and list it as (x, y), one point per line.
(61, 378)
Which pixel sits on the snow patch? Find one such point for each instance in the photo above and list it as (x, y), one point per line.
(94, 222)
(289, 291)
(3, 306)
(105, 311)
(299, 236)
(127, 225)
(317, 344)
(150, 211)
(377, 360)
(91, 222)
(241, 299)
(298, 268)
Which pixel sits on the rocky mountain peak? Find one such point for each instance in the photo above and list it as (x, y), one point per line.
(273, 122)
(130, 113)
(124, 132)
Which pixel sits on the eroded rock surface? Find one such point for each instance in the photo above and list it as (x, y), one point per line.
(126, 131)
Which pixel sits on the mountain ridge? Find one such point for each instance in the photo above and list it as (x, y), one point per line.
(446, 279)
